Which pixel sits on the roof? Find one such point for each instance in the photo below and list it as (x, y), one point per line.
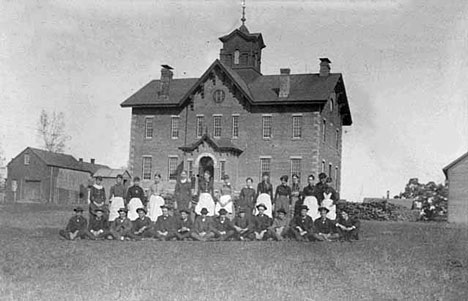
(110, 172)
(455, 162)
(244, 33)
(91, 167)
(222, 145)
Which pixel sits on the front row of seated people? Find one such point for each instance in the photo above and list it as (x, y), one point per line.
(220, 228)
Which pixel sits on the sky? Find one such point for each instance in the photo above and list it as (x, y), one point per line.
(405, 67)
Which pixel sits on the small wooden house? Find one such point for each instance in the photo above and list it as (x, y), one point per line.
(456, 174)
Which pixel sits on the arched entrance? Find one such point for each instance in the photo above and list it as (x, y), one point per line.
(206, 163)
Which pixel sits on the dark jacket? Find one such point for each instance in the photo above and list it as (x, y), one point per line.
(261, 222)
(305, 222)
(96, 224)
(140, 223)
(184, 223)
(325, 226)
(76, 223)
(202, 224)
(220, 225)
(165, 223)
(136, 192)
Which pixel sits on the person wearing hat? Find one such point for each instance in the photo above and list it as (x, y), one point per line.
(97, 198)
(165, 227)
(246, 199)
(243, 225)
(141, 226)
(184, 225)
(205, 194)
(324, 228)
(265, 194)
(283, 195)
(348, 228)
(202, 229)
(116, 198)
(99, 225)
(225, 200)
(157, 193)
(222, 226)
(261, 223)
(135, 199)
(76, 227)
(279, 230)
(302, 226)
(309, 198)
(122, 226)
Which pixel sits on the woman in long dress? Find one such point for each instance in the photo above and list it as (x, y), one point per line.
(205, 195)
(295, 196)
(283, 195)
(156, 200)
(116, 198)
(265, 194)
(225, 201)
(309, 198)
(183, 193)
(135, 199)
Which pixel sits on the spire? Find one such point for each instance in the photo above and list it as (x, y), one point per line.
(243, 28)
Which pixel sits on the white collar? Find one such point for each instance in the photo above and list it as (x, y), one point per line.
(97, 186)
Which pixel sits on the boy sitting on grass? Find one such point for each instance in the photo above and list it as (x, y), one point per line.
(222, 226)
(348, 228)
(261, 223)
(141, 226)
(184, 225)
(202, 227)
(302, 226)
(122, 226)
(76, 227)
(243, 226)
(99, 226)
(324, 227)
(280, 228)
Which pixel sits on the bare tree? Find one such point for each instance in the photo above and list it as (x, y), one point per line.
(51, 129)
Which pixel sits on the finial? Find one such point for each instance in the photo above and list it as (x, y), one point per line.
(243, 12)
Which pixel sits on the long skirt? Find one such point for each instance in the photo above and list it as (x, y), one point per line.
(133, 205)
(205, 201)
(265, 199)
(311, 202)
(282, 202)
(328, 203)
(116, 203)
(225, 202)
(154, 207)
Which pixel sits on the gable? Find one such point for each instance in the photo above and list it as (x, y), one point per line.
(461, 159)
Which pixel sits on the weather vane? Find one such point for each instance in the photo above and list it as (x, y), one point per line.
(243, 12)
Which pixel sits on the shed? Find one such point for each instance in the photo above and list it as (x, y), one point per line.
(456, 174)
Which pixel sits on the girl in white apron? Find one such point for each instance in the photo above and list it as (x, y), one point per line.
(156, 199)
(116, 198)
(225, 201)
(328, 203)
(135, 198)
(205, 195)
(265, 195)
(310, 200)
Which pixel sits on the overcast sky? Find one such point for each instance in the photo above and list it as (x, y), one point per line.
(405, 66)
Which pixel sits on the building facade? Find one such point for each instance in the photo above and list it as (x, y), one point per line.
(456, 174)
(234, 120)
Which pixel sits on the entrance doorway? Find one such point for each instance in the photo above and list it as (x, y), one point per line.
(206, 164)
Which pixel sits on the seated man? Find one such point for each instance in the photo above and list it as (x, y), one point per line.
(164, 229)
(280, 228)
(324, 227)
(243, 226)
(76, 227)
(261, 223)
(99, 225)
(184, 225)
(222, 226)
(142, 226)
(302, 226)
(348, 228)
(121, 226)
(202, 229)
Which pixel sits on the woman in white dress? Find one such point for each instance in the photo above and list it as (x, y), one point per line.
(225, 201)
(135, 198)
(156, 200)
(205, 195)
(116, 198)
(310, 199)
(265, 195)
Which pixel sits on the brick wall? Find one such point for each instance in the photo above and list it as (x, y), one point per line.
(458, 193)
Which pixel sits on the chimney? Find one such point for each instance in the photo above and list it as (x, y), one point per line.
(166, 77)
(81, 160)
(284, 82)
(93, 161)
(324, 67)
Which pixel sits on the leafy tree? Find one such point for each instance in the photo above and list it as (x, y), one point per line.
(51, 129)
(428, 194)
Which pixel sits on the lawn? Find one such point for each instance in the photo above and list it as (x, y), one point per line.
(393, 261)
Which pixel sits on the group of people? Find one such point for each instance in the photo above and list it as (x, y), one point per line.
(206, 214)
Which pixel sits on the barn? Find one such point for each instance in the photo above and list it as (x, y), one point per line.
(37, 175)
(456, 174)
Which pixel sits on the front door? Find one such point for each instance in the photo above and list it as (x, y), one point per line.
(206, 164)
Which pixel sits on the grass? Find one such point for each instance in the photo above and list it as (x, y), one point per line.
(393, 261)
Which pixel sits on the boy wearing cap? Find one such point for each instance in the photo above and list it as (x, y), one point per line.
(324, 227)
(280, 228)
(302, 226)
(184, 225)
(222, 226)
(97, 198)
(99, 225)
(76, 227)
(261, 223)
(141, 226)
(243, 226)
(202, 229)
(348, 228)
(164, 229)
(122, 226)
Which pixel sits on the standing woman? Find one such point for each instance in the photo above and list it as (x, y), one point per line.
(97, 197)
(265, 194)
(225, 201)
(295, 196)
(116, 198)
(283, 195)
(183, 193)
(156, 200)
(309, 198)
(205, 195)
(247, 198)
(135, 199)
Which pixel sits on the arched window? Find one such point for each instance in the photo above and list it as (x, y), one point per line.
(236, 57)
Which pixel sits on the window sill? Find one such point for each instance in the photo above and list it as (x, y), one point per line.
(296, 138)
(174, 138)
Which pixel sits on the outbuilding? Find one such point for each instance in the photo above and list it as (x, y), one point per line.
(456, 174)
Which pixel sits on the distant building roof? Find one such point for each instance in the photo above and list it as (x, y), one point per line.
(455, 162)
(111, 172)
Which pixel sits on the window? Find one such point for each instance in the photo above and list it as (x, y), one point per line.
(266, 125)
(265, 166)
(336, 177)
(324, 130)
(175, 127)
(236, 57)
(331, 104)
(297, 127)
(190, 168)
(235, 126)
(149, 127)
(26, 159)
(337, 138)
(147, 164)
(200, 124)
(216, 126)
(219, 96)
(323, 166)
(330, 169)
(296, 167)
(222, 169)
(172, 168)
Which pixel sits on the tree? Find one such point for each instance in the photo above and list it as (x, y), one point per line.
(51, 129)
(428, 194)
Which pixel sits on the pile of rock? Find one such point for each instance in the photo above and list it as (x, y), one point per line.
(380, 211)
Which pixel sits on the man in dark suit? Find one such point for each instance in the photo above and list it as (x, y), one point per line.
(302, 226)
(222, 226)
(261, 223)
(347, 227)
(202, 229)
(184, 225)
(324, 228)
(165, 228)
(76, 227)
(243, 226)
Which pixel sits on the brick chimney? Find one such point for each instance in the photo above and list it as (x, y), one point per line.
(284, 82)
(80, 160)
(166, 77)
(324, 67)
(93, 160)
